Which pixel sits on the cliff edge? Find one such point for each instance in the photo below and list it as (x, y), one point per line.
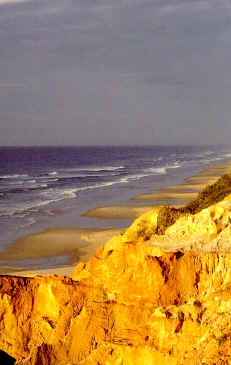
(158, 294)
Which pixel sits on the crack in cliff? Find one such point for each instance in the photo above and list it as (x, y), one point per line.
(165, 268)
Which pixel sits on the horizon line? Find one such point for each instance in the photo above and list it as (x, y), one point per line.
(114, 145)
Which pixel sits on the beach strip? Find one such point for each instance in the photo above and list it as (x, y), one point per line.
(184, 187)
(81, 243)
(175, 195)
(119, 211)
(205, 177)
(166, 196)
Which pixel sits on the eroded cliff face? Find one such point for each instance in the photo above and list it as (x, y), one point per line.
(142, 299)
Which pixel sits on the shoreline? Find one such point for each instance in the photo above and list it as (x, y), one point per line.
(76, 244)
(80, 244)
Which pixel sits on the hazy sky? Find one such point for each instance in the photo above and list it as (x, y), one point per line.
(115, 72)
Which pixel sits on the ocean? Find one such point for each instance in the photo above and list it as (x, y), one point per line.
(43, 187)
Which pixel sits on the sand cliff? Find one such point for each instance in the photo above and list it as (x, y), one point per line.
(144, 298)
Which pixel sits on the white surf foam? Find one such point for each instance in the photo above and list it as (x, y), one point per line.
(175, 165)
(157, 170)
(95, 168)
(128, 178)
(21, 208)
(47, 178)
(73, 192)
(52, 173)
(15, 176)
(73, 175)
(163, 170)
(52, 195)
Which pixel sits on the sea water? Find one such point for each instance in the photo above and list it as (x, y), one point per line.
(45, 187)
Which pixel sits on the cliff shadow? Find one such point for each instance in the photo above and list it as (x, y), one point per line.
(6, 359)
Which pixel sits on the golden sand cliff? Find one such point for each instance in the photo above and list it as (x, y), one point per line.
(146, 297)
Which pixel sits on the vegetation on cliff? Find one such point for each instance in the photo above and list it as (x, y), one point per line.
(210, 195)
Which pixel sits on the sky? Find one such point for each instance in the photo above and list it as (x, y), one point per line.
(115, 72)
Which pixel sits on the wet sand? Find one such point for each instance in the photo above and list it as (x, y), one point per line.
(12, 270)
(206, 180)
(164, 195)
(118, 211)
(79, 244)
(184, 187)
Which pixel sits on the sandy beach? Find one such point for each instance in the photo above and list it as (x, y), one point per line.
(162, 196)
(184, 187)
(197, 182)
(79, 244)
(118, 211)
